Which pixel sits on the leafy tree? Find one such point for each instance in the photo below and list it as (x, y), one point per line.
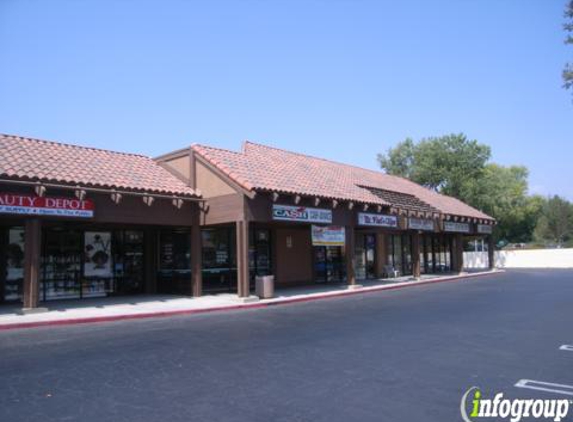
(556, 222)
(502, 193)
(445, 164)
(456, 166)
(568, 26)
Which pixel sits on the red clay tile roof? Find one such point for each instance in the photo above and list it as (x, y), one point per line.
(264, 168)
(51, 162)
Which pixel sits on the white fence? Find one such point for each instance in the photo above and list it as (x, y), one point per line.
(527, 258)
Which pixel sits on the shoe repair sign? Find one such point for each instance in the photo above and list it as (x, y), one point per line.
(13, 203)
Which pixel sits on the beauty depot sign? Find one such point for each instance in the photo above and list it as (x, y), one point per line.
(13, 203)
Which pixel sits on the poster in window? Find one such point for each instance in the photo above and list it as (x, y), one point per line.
(15, 256)
(97, 254)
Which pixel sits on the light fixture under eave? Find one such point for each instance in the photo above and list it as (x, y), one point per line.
(148, 200)
(80, 194)
(116, 197)
(177, 203)
(40, 190)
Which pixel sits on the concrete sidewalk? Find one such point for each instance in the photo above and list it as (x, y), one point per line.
(133, 307)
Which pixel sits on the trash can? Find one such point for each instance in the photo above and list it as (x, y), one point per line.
(265, 286)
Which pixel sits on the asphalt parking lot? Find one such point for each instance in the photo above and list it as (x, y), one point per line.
(388, 356)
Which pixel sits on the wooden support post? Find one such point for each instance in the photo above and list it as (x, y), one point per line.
(151, 252)
(380, 254)
(32, 251)
(458, 253)
(416, 254)
(350, 258)
(491, 252)
(196, 255)
(243, 258)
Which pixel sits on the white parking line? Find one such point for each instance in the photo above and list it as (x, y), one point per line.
(546, 386)
(567, 348)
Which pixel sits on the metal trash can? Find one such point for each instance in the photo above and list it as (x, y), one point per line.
(265, 286)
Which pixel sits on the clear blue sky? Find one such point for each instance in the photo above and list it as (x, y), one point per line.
(338, 79)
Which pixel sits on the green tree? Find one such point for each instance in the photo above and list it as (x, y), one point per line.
(555, 224)
(502, 193)
(446, 164)
(456, 166)
(568, 26)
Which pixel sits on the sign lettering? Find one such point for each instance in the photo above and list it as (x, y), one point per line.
(302, 214)
(14, 203)
(378, 220)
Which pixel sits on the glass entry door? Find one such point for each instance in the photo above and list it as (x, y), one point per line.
(12, 265)
(365, 256)
(219, 260)
(260, 253)
(328, 264)
(61, 264)
(174, 275)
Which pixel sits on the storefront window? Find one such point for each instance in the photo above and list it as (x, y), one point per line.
(260, 252)
(360, 257)
(430, 254)
(129, 261)
(329, 265)
(400, 253)
(397, 252)
(365, 255)
(219, 260)
(62, 264)
(98, 263)
(407, 254)
(423, 255)
(174, 262)
(13, 263)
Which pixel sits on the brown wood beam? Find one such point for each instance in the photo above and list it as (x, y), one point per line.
(491, 252)
(416, 270)
(380, 254)
(350, 259)
(458, 253)
(32, 251)
(196, 255)
(242, 258)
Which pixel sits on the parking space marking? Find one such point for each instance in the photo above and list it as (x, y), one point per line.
(567, 348)
(546, 386)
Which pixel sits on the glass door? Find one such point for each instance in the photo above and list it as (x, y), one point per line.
(61, 264)
(129, 261)
(13, 263)
(174, 262)
(328, 264)
(260, 253)
(360, 256)
(219, 260)
(370, 255)
(365, 256)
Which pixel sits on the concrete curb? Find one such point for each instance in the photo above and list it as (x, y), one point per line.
(309, 298)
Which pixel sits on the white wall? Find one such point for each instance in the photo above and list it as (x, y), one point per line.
(528, 258)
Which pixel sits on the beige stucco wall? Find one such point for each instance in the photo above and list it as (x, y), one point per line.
(210, 184)
(180, 165)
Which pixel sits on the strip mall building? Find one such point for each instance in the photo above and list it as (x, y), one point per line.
(78, 222)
